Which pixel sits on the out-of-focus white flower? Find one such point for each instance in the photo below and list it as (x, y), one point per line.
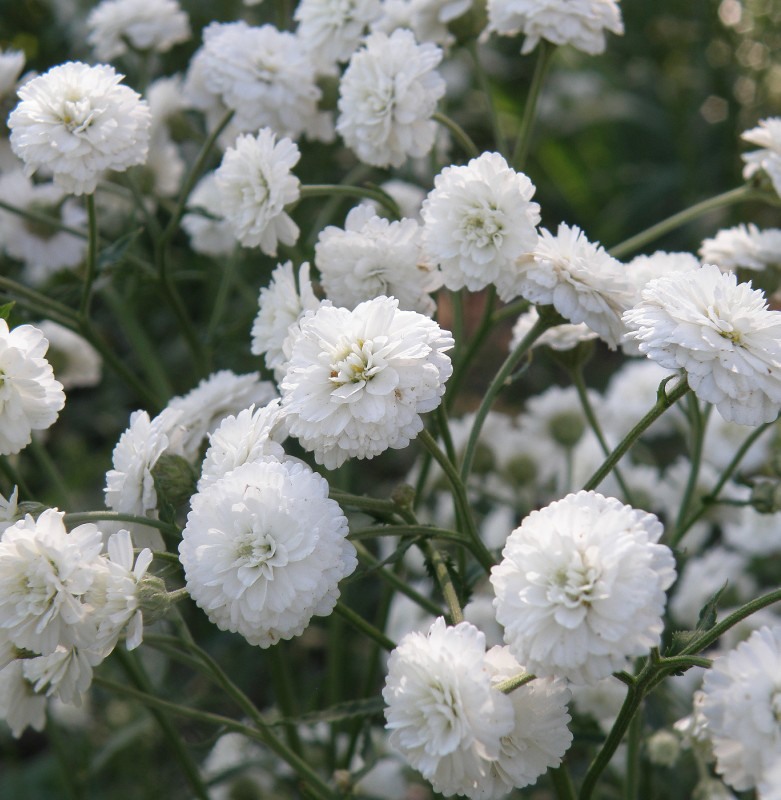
(76, 122)
(601, 700)
(248, 436)
(265, 75)
(331, 30)
(65, 673)
(644, 268)
(30, 397)
(9, 510)
(255, 184)
(562, 337)
(743, 247)
(78, 363)
(210, 233)
(164, 165)
(721, 333)
(372, 257)
(155, 25)
(280, 306)
(358, 381)
(427, 19)
(387, 97)
(752, 533)
(11, 66)
(43, 249)
(264, 549)
(579, 279)
(20, 706)
(740, 704)
(580, 23)
(442, 712)
(44, 574)
(478, 221)
(581, 587)
(768, 159)
(723, 440)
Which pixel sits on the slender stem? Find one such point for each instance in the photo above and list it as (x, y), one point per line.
(632, 780)
(42, 219)
(544, 56)
(362, 625)
(663, 402)
(337, 189)
(284, 693)
(13, 475)
(426, 531)
(511, 684)
(562, 783)
(459, 134)
(80, 517)
(227, 273)
(696, 433)
(92, 258)
(445, 582)
(728, 198)
(40, 302)
(485, 86)
(443, 428)
(371, 505)
(52, 471)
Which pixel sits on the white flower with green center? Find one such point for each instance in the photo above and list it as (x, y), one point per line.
(264, 549)
(358, 381)
(581, 587)
(721, 333)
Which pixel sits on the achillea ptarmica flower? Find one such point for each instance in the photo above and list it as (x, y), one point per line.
(75, 122)
(579, 279)
(740, 705)
(580, 23)
(768, 159)
(358, 381)
(264, 549)
(255, 185)
(155, 25)
(561, 338)
(477, 221)
(11, 66)
(372, 257)
(743, 247)
(721, 333)
(211, 235)
(30, 397)
(387, 97)
(78, 362)
(444, 716)
(581, 587)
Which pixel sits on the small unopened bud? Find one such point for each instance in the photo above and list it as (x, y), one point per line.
(522, 470)
(175, 482)
(154, 600)
(766, 496)
(567, 428)
(404, 495)
(664, 747)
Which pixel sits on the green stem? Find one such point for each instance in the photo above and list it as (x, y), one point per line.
(227, 273)
(80, 517)
(663, 402)
(52, 471)
(13, 475)
(40, 302)
(42, 219)
(425, 531)
(632, 781)
(459, 134)
(92, 258)
(511, 684)
(445, 582)
(544, 56)
(281, 676)
(341, 190)
(562, 783)
(371, 505)
(485, 87)
(697, 430)
(363, 626)
(728, 198)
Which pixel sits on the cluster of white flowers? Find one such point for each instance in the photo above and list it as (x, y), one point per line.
(64, 603)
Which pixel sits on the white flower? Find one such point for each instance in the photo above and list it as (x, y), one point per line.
(741, 701)
(579, 279)
(721, 333)
(743, 247)
(581, 23)
(753, 533)
(562, 337)
(601, 700)
(264, 549)
(11, 66)
(427, 19)
(265, 75)
(193, 416)
(155, 25)
(332, 29)
(387, 97)
(78, 363)
(20, 705)
(358, 381)
(211, 235)
(76, 121)
(540, 735)
(44, 574)
(442, 712)
(30, 397)
(478, 221)
(66, 673)
(255, 185)
(582, 587)
(280, 306)
(246, 437)
(408, 197)
(372, 257)
(43, 249)
(9, 511)
(641, 270)
(768, 159)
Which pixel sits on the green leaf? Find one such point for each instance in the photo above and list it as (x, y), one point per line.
(5, 310)
(707, 617)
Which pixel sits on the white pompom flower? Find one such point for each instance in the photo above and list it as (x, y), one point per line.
(721, 333)
(768, 158)
(30, 397)
(581, 587)
(264, 549)
(580, 23)
(358, 381)
(478, 220)
(443, 714)
(255, 186)
(75, 122)
(741, 698)
(743, 247)
(155, 25)
(387, 97)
